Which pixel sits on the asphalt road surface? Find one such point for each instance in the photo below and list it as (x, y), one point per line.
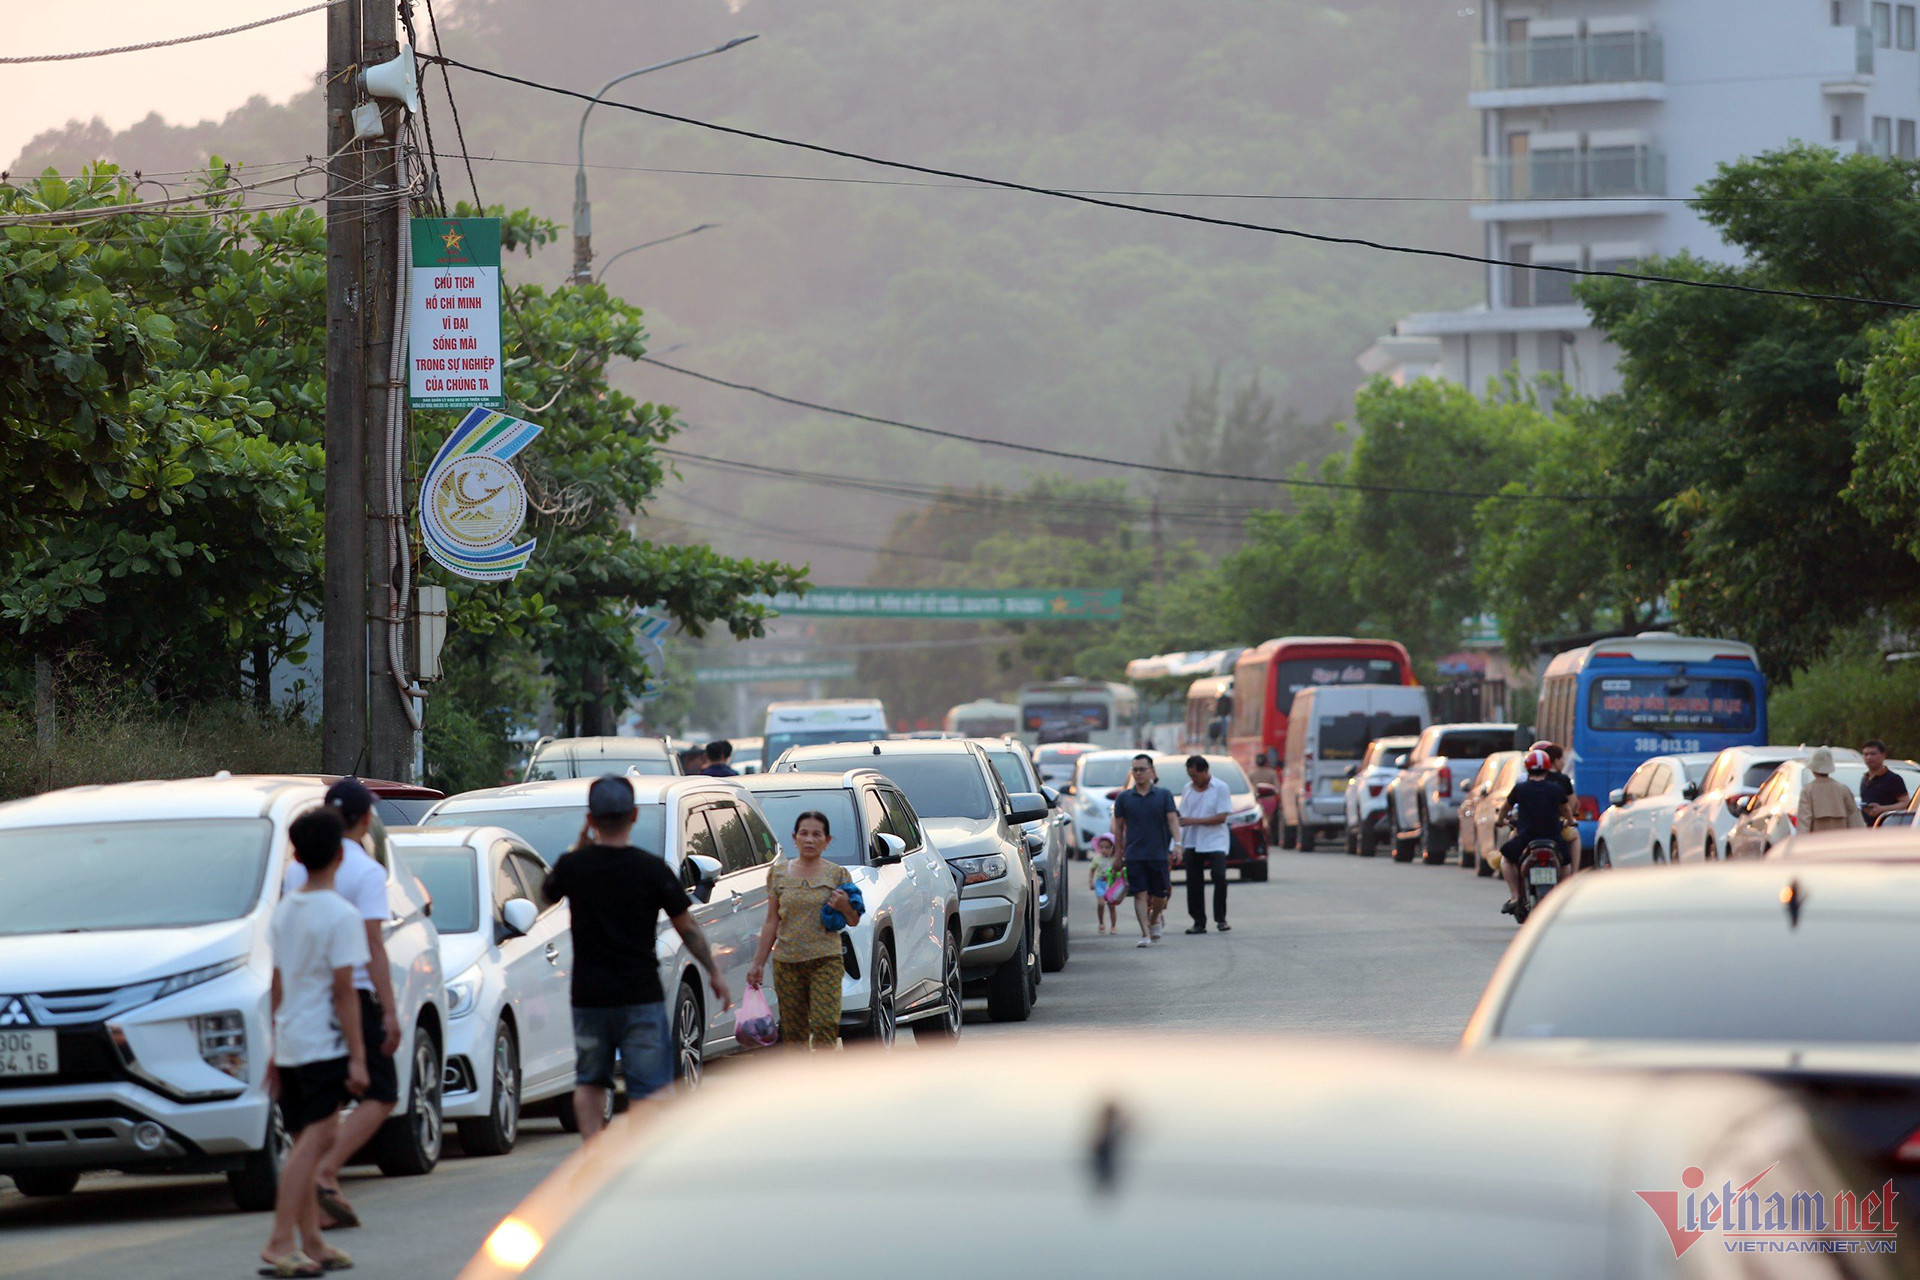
(1330, 946)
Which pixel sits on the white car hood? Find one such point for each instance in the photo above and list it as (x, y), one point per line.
(46, 962)
(459, 951)
(963, 837)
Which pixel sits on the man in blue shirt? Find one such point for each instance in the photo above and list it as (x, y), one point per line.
(1146, 822)
(720, 760)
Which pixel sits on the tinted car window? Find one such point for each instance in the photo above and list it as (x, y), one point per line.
(402, 812)
(1012, 770)
(533, 876)
(551, 830)
(942, 786)
(1474, 744)
(760, 834)
(453, 882)
(783, 809)
(1613, 978)
(505, 885)
(1345, 737)
(1759, 773)
(901, 820)
(730, 833)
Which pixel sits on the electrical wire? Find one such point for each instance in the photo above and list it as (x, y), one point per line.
(459, 134)
(163, 44)
(1103, 202)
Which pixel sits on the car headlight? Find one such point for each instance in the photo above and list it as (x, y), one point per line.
(1244, 818)
(979, 870)
(222, 1038)
(463, 994)
(194, 977)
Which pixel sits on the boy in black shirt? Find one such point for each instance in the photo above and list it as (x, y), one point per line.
(1539, 807)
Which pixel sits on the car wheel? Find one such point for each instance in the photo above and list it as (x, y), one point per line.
(1352, 841)
(570, 1119)
(49, 1182)
(1289, 836)
(1404, 847)
(1433, 844)
(1255, 871)
(952, 998)
(1009, 996)
(256, 1183)
(1708, 853)
(1659, 855)
(1054, 943)
(1369, 838)
(409, 1144)
(500, 1129)
(1602, 857)
(689, 1037)
(883, 1024)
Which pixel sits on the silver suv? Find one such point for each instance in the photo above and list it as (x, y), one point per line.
(1049, 841)
(558, 758)
(976, 826)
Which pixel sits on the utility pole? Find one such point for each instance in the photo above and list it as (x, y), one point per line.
(343, 677)
(1159, 543)
(389, 727)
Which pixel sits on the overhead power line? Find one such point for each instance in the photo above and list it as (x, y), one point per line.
(1103, 202)
(162, 44)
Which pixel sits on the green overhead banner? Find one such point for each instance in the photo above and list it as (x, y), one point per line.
(1066, 604)
(774, 672)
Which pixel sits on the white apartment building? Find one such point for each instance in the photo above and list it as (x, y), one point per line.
(1600, 117)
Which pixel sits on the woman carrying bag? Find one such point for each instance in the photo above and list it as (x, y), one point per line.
(806, 956)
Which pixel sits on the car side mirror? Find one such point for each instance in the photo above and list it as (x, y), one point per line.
(1026, 806)
(518, 914)
(1036, 845)
(1265, 790)
(1052, 795)
(1616, 797)
(1066, 789)
(887, 849)
(1690, 792)
(1739, 804)
(706, 874)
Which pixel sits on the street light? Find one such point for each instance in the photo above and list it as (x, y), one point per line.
(582, 211)
(602, 273)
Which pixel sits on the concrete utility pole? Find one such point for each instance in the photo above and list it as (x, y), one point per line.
(343, 676)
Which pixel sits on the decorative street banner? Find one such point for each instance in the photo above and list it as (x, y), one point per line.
(472, 503)
(1070, 604)
(774, 672)
(453, 322)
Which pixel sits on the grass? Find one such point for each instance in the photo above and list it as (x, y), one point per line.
(104, 739)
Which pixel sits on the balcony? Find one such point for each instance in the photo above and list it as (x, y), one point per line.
(1596, 182)
(1614, 66)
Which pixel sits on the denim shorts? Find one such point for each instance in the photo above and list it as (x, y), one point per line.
(639, 1032)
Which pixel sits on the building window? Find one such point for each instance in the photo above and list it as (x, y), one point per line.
(1519, 277)
(1882, 136)
(1882, 24)
(1837, 15)
(1553, 288)
(1906, 148)
(1839, 128)
(1903, 26)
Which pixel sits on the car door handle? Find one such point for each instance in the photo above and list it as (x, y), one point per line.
(739, 900)
(553, 953)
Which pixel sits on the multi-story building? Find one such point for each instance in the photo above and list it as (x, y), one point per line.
(1599, 118)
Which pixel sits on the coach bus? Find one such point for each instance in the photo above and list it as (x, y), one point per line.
(1162, 683)
(1266, 678)
(983, 719)
(1209, 712)
(1614, 703)
(1075, 710)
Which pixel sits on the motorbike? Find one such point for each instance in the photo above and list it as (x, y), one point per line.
(1539, 873)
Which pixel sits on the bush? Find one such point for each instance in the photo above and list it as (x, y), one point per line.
(1848, 696)
(105, 739)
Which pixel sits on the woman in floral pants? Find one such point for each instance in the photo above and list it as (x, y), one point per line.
(806, 955)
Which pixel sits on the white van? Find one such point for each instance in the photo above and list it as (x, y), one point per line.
(803, 724)
(1328, 729)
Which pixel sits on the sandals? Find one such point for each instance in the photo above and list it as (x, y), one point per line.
(293, 1264)
(337, 1260)
(340, 1214)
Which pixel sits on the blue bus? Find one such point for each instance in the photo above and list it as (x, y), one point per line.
(1615, 703)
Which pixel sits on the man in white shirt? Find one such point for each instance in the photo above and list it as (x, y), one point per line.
(363, 883)
(1204, 808)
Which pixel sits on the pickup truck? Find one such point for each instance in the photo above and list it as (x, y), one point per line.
(1423, 802)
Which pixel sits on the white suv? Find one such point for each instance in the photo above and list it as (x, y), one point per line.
(135, 973)
(1703, 826)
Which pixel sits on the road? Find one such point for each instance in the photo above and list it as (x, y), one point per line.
(1330, 946)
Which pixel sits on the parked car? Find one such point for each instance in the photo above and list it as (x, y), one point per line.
(1246, 823)
(1367, 792)
(507, 953)
(1856, 844)
(1098, 777)
(1773, 814)
(1701, 825)
(976, 826)
(1637, 827)
(906, 948)
(1010, 761)
(1342, 1130)
(1473, 801)
(746, 754)
(1328, 729)
(1822, 989)
(135, 955)
(1491, 828)
(1422, 803)
(713, 836)
(555, 758)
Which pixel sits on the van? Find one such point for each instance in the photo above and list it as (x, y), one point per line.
(821, 720)
(1328, 729)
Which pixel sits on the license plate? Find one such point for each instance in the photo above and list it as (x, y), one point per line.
(29, 1053)
(1337, 785)
(1543, 875)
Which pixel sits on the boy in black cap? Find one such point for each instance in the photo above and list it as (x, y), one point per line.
(617, 893)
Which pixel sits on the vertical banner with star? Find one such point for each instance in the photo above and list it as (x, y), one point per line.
(453, 324)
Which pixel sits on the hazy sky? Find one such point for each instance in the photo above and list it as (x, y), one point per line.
(184, 84)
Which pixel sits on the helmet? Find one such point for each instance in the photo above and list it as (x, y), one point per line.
(1538, 761)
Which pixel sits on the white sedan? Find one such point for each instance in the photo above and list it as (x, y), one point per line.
(1773, 815)
(1703, 825)
(507, 953)
(1637, 828)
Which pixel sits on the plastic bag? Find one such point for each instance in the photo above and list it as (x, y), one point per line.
(1111, 888)
(753, 1023)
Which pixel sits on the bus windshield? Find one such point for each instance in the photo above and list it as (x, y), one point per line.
(1296, 674)
(1055, 717)
(1710, 704)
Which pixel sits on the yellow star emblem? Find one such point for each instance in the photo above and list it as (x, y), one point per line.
(1060, 604)
(452, 239)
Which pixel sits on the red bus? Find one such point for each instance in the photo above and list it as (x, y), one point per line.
(1266, 678)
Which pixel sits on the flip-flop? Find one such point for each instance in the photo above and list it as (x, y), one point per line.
(292, 1265)
(335, 1207)
(338, 1260)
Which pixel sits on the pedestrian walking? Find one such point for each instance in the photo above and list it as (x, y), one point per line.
(1101, 877)
(1826, 805)
(693, 760)
(617, 893)
(806, 954)
(363, 883)
(720, 760)
(1204, 808)
(1145, 824)
(1882, 790)
(319, 1058)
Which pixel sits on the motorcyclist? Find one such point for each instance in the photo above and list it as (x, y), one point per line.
(1537, 809)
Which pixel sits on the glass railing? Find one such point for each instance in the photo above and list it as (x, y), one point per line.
(1613, 58)
(1598, 173)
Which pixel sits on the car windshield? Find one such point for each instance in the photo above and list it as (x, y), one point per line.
(160, 874)
(1613, 978)
(1109, 772)
(452, 880)
(550, 829)
(1474, 744)
(938, 786)
(778, 743)
(1012, 770)
(1173, 773)
(1345, 737)
(566, 765)
(1757, 774)
(783, 809)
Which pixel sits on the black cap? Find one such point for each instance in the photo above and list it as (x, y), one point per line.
(350, 796)
(610, 796)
